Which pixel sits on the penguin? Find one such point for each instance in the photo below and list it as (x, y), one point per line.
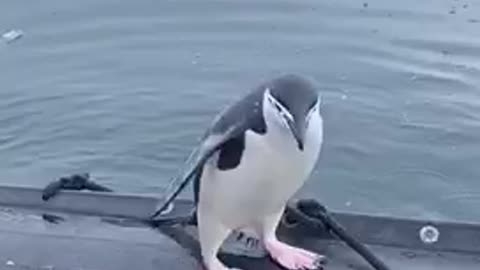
(254, 157)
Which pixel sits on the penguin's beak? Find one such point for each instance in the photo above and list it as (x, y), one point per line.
(298, 131)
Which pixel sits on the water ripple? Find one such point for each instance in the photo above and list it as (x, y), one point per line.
(124, 90)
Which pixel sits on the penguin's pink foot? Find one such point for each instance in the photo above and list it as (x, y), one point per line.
(294, 258)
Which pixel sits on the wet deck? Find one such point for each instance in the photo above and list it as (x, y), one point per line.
(80, 241)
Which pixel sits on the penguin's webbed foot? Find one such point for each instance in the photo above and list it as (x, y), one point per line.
(294, 258)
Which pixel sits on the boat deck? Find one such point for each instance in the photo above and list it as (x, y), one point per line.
(66, 234)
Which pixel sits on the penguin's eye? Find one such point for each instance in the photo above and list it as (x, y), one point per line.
(280, 108)
(275, 104)
(313, 105)
(283, 112)
(312, 111)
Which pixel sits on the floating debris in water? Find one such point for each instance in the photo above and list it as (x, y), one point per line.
(473, 21)
(465, 6)
(348, 204)
(452, 11)
(365, 5)
(12, 35)
(344, 97)
(10, 263)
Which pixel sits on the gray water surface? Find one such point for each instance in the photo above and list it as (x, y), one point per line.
(124, 90)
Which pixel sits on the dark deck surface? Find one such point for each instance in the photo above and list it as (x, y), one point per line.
(79, 241)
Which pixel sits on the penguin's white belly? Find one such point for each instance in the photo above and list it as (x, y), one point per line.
(266, 178)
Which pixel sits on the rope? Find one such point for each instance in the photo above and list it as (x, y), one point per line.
(73, 182)
(315, 215)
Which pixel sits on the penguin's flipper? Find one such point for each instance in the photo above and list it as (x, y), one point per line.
(211, 143)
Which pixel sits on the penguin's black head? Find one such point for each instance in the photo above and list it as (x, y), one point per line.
(294, 99)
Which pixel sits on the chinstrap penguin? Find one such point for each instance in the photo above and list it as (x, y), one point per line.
(254, 157)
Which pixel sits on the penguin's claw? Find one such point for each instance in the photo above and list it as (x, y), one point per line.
(294, 258)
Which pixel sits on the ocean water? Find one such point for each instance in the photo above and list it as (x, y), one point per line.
(124, 90)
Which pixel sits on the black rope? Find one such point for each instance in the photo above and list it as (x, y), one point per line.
(83, 182)
(73, 182)
(313, 214)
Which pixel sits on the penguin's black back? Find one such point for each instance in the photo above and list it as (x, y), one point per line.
(247, 114)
